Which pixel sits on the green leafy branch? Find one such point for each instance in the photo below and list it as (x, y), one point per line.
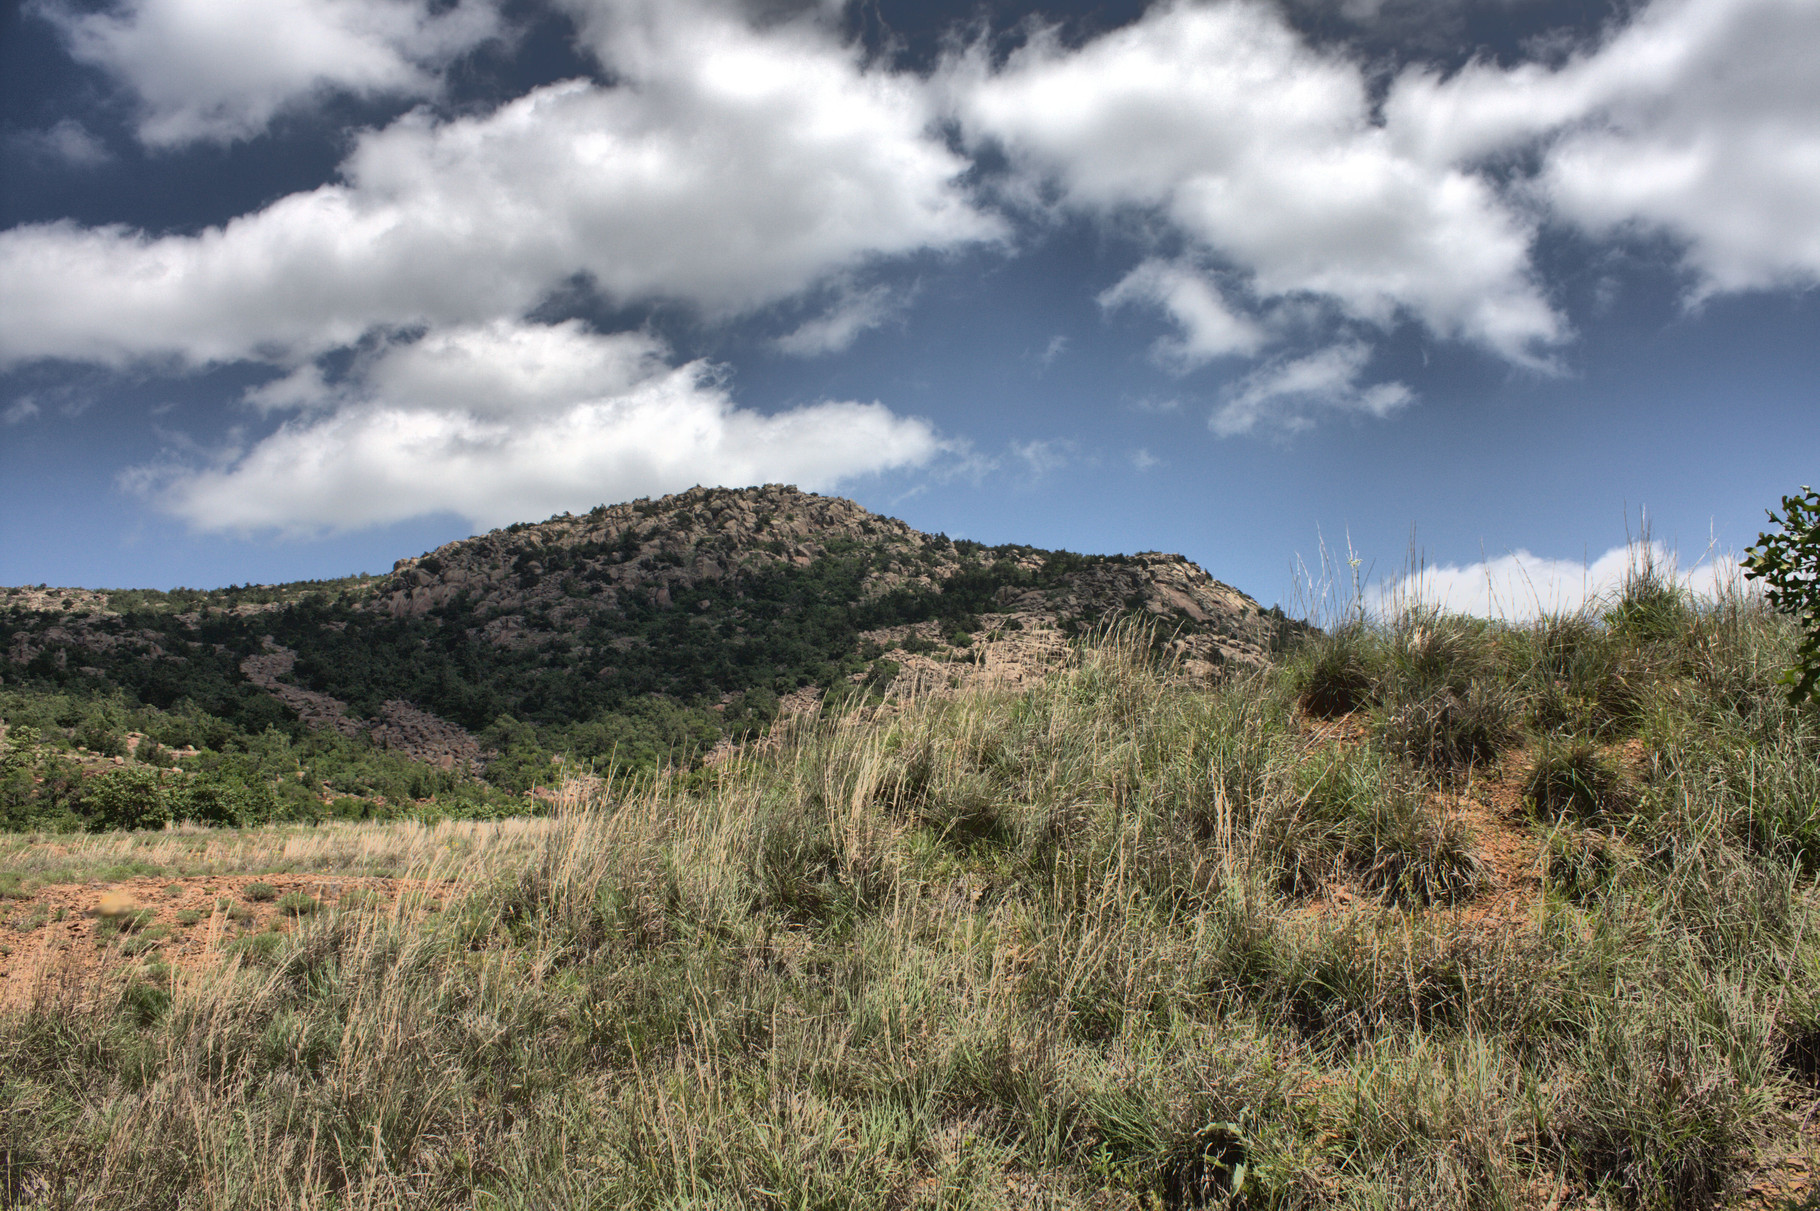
(1788, 563)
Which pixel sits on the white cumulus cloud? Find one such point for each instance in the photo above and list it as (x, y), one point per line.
(727, 168)
(1519, 586)
(206, 70)
(504, 421)
(852, 313)
(1291, 206)
(1043, 456)
(1209, 328)
(1217, 129)
(68, 141)
(1698, 120)
(1264, 154)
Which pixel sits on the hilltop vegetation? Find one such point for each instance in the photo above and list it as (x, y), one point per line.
(1438, 913)
(629, 637)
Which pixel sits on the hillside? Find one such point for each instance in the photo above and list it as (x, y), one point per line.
(633, 635)
(1434, 913)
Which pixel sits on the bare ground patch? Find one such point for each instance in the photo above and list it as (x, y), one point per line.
(80, 936)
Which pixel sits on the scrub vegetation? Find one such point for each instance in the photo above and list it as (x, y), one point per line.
(630, 638)
(1436, 913)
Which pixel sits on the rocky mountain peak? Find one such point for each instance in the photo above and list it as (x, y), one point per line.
(564, 571)
(649, 623)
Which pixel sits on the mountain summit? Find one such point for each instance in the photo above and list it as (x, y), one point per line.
(716, 545)
(640, 632)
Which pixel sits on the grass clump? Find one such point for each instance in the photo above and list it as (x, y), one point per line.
(1351, 813)
(1651, 609)
(1574, 676)
(145, 941)
(258, 950)
(1572, 779)
(296, 904)
(358, 898)
(1447, 706)
(259, 892)
(1332, 673)
(1579, 864)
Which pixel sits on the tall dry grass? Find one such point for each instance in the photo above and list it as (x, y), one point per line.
(1069, 947)
(364, 848)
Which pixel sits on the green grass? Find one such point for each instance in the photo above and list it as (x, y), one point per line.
(130, 922)
(144, 941)
(1572, 778)
(296, 904)
(1075, 947)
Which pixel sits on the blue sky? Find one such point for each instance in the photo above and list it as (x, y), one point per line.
(293, 288)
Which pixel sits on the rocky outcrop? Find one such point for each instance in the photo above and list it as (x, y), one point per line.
(401, 727)
(94, 633)
(269, 669)
(1213, 623)
(425, 737)
(558, 570)
(645, 547)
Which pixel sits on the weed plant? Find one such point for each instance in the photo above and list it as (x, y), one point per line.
(1079, 946)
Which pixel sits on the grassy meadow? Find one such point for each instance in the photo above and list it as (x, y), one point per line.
(1438, 914)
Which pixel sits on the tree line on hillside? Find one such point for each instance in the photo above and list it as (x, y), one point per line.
(634, 686)
(71, 761)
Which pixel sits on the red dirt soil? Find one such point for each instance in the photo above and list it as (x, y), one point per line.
(67, 935)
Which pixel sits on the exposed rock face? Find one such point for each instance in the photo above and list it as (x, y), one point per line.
(1217, 623)
(704, 535)
(43, 597)
(710, 536)
(400, 726)
(78, 632)
(270, 669)
(423, 736)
